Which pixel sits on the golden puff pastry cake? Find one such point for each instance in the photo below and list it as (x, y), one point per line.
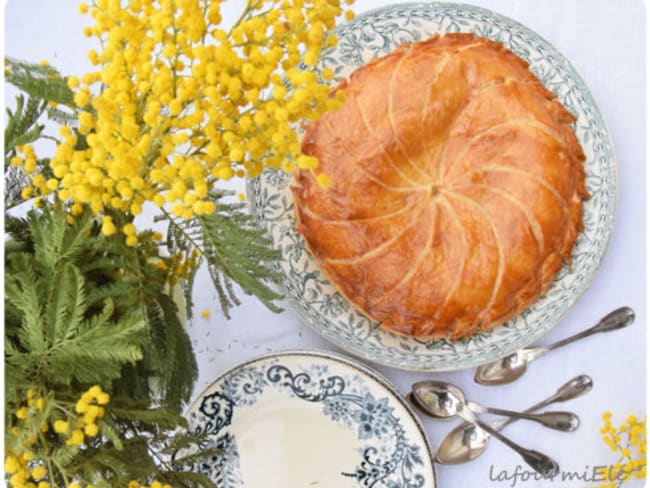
(457, 188)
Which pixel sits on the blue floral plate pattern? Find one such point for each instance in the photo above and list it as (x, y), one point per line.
(304, 418)
(316, 300)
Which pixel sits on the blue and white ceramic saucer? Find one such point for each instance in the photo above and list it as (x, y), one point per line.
(301, 419)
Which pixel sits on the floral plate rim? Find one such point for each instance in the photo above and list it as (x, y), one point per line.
(366, 372)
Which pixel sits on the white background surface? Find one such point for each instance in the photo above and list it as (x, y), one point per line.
(605, 41)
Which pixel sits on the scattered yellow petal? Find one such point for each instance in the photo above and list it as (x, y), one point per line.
(324, 181)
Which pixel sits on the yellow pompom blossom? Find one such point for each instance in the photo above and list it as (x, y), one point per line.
(154, 484)
(180, 268)
(27, 160)
(177, 102)
(25, 462)
(629, 440)
(76, 438)
(11, 465)
(61, 426)
(21, 467)
(90, 408)
(39, 472)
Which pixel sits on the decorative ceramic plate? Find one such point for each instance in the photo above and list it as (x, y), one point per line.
(315, 299)
(299, 419)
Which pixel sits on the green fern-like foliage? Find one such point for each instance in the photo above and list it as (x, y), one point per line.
(39, 81)
(83, 309)
(56, 340)
(22, 128)
(235, 249)
(119, 281)
(42, 89)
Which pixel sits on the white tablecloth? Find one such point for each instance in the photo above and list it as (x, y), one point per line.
(604, 40)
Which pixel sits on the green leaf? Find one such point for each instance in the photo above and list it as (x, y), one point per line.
(63, 456)
(203, 455)
(98, 353)
(236, 251)
(13, 122)
(19, 232)
(39, 81)
(241, 252)
(75, 237)
(178, 368)
(189, 479)
(67, 304)
(40, 85)
(21, 125)
(48, 229)
(26, 137)
(110, 430)
(22, 298)
(159, 416)
(84, 309)
(61, 117)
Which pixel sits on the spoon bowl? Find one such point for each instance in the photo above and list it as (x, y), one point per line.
(444, 401)
(467, 441)
(513, 366)
(440, 400)
(505, 370)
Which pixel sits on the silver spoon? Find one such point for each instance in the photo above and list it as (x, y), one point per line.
(467, 442)
(441, 400)
(449, 402)
(510, 368)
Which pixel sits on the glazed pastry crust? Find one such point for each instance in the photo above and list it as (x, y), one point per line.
(457, 188)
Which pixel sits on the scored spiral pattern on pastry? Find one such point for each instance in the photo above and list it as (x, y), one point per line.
(457, 187)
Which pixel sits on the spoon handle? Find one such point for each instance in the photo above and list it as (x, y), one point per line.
(619, 318)
(573, 388)
(564, 421)
(500, 424)
(541, 463)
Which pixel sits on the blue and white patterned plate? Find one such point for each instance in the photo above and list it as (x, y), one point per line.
(298, 419)
(315, 299)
